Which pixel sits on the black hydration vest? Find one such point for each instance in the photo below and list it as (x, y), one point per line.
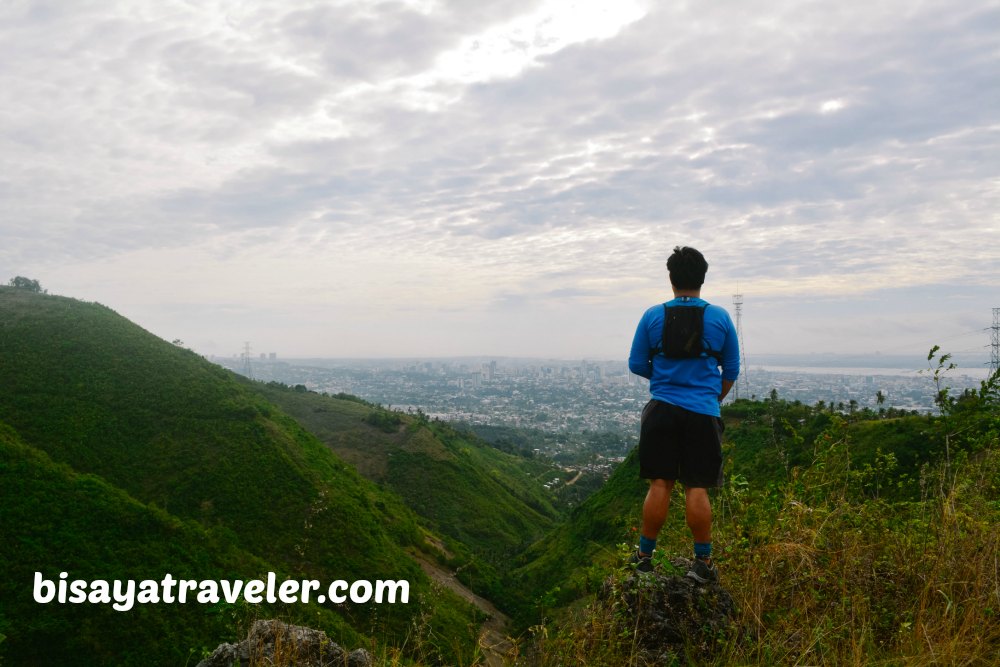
(683, 334)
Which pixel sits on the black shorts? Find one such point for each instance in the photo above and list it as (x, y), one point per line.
(681, 445)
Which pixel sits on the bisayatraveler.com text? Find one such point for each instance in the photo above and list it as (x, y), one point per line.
(123, 595)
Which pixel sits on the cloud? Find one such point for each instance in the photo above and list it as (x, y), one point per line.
(522, 154)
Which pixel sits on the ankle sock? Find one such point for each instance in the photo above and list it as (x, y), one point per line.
(646, 545)
(703, 550)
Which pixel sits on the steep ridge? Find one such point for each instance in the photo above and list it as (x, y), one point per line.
(55, 520)
(556, 566)
(101, 396)
(476, 495)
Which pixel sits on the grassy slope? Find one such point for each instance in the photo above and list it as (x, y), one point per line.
(56, 520)
(469, 491)
(769, 438)
(557, 567)
(763, 443)
(101, 395)
(834, 551)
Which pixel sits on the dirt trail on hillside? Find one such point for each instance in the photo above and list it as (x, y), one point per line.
(493, 635)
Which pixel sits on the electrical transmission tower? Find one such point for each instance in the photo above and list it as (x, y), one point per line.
(995, 340)
(247, 369)
(742, 379)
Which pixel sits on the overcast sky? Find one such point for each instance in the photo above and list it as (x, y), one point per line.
(505, 178)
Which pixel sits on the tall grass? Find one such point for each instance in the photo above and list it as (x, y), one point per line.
(838, 565)
(831, 575)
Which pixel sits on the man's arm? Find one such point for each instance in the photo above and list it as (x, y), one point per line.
(638, 357)
(726, 386)
(730, 358)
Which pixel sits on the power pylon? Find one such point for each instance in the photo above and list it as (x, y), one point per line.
(743, 379)
(995, 342)
(247, 368)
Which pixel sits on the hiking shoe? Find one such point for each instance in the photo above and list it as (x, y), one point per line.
(703, 571)
(641, 563)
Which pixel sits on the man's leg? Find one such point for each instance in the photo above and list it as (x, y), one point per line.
(654, 509)
(698, 511)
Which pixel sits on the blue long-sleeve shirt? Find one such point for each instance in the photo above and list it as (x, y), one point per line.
(693, 384)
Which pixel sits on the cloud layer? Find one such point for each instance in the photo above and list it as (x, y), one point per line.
(502, 177)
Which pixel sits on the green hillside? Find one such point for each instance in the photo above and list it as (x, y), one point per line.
(770, 438)
(559, 568)
(478, 496)
(766, 445)
(104, 397)
(844, 539)
(55, 520)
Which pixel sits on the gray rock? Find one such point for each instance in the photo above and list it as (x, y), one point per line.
(360, 658)
(272, 642)
(670, 612)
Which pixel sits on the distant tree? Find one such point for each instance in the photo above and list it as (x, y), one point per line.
(20, 282)
(880, 397)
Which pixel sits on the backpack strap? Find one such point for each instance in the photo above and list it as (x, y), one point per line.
(705, 350)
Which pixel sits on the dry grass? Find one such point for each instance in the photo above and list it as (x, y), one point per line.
(828, 575)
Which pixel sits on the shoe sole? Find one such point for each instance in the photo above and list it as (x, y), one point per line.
(700, 580)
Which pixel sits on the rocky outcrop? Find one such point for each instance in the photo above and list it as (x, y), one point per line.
(282, 645)
(671, 614)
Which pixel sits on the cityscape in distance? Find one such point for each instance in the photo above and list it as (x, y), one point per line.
(576, 399)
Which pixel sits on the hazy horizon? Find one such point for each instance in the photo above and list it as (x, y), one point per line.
(975, 365)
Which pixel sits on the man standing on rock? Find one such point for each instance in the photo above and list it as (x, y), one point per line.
(689, 352)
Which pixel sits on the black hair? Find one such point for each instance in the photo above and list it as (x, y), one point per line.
(687, 268)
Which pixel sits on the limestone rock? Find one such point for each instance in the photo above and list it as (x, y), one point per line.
(668, 611)
(275, 643)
